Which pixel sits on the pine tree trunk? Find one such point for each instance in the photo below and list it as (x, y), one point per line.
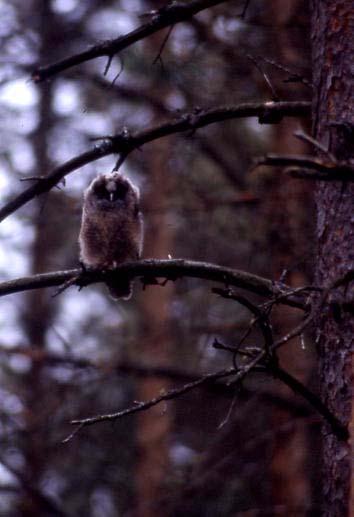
(333, 114)
(154, 426)
(289, 212)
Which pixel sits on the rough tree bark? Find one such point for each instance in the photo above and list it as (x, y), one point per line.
(333, 113)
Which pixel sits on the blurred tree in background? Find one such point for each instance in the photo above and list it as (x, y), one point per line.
(246, 449)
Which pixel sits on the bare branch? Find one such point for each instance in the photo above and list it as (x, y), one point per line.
(301, 135)
(124, 143)
(245, 7)
(310, 167)
(266, 78)
(269, 361)
(257, 363)
(169, 269)
(297, 331)
(173, 13)
(47, 183)
(171, 394)
(158, 58)
(262, 317)
(293, 77)
(337, 427)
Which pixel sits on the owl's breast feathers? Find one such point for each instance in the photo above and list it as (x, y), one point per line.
(108, 238)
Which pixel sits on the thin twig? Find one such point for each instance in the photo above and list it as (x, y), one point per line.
(143, 406)
(108, 64)
(120, 71)
(270, 363)
(261, 316)
(229, 413)
(293, 76)
(68, 283)
(275, 96)
(245, 8)
(299, 329)
(315, 143)
(165, 40)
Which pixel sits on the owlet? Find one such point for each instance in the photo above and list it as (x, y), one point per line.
(111, 227)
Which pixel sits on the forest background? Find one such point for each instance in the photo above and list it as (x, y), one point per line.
(230, 446)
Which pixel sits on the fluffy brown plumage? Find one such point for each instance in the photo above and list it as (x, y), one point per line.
(112, 226)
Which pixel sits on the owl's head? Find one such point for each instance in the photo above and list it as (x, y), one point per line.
(112, 191)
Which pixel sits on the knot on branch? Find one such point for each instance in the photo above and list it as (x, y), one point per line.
(123, 142)
(173, 9)
(104, 146)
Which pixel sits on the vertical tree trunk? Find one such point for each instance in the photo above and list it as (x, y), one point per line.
(153, 426)
(291, 484)
(333, 113)
(39, 308)
(289, 212)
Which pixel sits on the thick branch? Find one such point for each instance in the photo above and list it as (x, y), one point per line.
(148, 270)
(125, 143)
(174, 13)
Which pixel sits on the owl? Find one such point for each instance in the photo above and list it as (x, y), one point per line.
(111, 227)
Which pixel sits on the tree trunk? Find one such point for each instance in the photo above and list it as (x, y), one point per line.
(289, 212)
(154, 426)
(333, 114)
(39, 308)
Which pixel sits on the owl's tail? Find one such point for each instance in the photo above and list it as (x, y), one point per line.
(122, 290)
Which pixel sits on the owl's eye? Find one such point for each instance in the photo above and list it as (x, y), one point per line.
(100, 191)
(121, 191)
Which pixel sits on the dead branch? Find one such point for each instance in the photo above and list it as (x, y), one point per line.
(174, 12)
(310, 167)
(125, 142)
(261, 316)
(337, 427)
(258, 363)
(169, 395)
(293, 77)
(269, 363)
